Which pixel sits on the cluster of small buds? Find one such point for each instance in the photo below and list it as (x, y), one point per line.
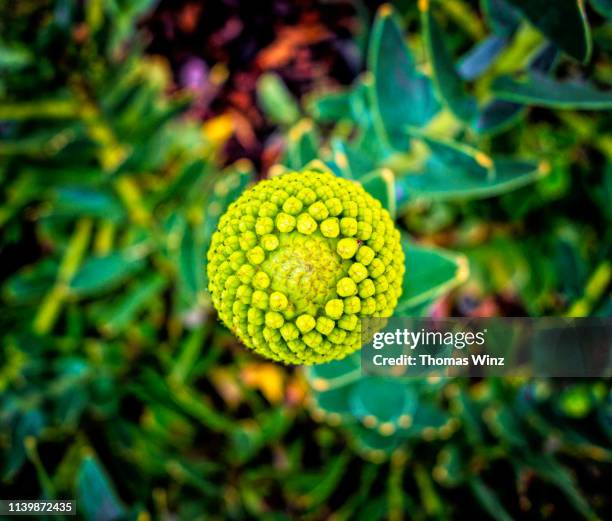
(298, 260)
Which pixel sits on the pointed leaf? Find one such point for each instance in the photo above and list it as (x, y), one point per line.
(351, 162)
(85, 201)
(335, 374)
(117, 317)
(276, 100)
(400, 94)
(329, 107)
(562, 21)
(302, 144)
(498, 115)
(489, 500)
(429, 274)
(95, 495)
(502, 18)
(458, 171)
(543, 91)
(370, 139)
(32, 282)
(382, 398)
(381, 184)
(553, 472)
(480, 57)
(100, 274)
(448, 83)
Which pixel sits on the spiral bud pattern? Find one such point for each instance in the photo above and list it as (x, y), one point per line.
(298, 260)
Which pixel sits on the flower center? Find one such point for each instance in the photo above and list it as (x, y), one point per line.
(306, 269)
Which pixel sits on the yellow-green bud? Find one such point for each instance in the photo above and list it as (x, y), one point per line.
(346, 287)
(292, 206)
(330, 227)
(347, 248)
(269, 242)
(334, 308)
(305, 323)
(306, 224)
(358, 271)
(298, 260)
(274, 319)
(278, 301)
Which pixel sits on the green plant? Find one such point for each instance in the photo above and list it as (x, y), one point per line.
(119, 388)
(418, 128)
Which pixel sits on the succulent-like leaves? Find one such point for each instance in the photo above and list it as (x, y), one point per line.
(449, 85)
(400, 94)
(540, 90)
(455, 171)
(430, 273)
(563, 21)
(276, 101)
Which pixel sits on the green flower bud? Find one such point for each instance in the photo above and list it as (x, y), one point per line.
(346, 287)
(330, 227)
(305, 323)
(347, 248)
(298, 260)
(306, 224)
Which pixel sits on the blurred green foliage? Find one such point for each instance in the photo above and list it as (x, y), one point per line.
(481, 131)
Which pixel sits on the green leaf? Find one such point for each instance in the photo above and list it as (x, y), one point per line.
(101, 274)
(481, 56)
(562, 21)
(383, 398)
(85, 201)
(331, 477)
(125, 310)
(497, 115)
(553, 472)
(504, 424)
(190, 257)
(302, 144)
(14, 56)
(429, 274)
(540, 90)
(369, 440)
(334, 401)
(502, 18)
(368, 139)
(276, 100)
(32, 282)
(603, 7)
(329, 107)
(451, 466)
(188, 182)
(428, 416)
(400, 95)
(448, 83)
(351, 162)
(381, 184)
(248, 439)
(335, 374)
(458, 171)
(489, 500)
(29, 423)
(95, 496)
(39, 109)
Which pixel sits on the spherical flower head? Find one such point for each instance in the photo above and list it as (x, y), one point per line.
(298, 260)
